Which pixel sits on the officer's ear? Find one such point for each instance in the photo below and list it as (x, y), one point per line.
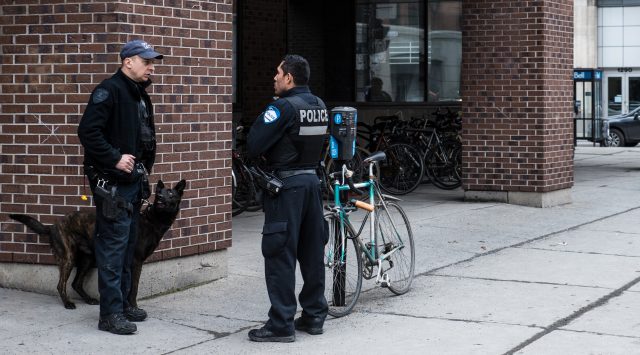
(289, 78)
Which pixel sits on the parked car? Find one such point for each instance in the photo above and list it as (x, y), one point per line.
(624, 129)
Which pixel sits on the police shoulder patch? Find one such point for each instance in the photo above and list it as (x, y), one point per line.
(271, 114)
(100, 95)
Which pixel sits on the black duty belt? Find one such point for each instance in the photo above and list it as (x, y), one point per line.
(283, 174)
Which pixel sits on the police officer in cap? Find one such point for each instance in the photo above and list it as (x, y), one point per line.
(118, 135)
(289, 136)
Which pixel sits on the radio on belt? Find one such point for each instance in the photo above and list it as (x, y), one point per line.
(342, 130)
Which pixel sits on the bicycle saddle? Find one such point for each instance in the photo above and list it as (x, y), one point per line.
(377, 156)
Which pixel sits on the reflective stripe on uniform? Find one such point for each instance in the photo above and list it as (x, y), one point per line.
(312, 130)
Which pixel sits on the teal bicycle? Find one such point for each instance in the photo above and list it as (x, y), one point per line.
(381, 248)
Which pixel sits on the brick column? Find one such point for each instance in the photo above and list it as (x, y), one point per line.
(53, 55)
(517, 101)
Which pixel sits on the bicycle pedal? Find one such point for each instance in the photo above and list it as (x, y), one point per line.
(385, 281)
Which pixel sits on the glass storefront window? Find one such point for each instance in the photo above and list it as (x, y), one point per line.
(394, 62)
(390, 51)
(444, 49)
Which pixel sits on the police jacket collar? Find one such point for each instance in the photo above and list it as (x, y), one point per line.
(296, 90)
(134, 85)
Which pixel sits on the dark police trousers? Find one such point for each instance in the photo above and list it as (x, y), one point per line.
(115, 244)
(294, 228)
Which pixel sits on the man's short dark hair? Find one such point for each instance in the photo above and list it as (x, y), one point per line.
(298, 67)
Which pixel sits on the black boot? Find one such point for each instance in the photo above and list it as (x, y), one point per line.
(117, 324)
(307, 325)
(264, 334)
(135, 314)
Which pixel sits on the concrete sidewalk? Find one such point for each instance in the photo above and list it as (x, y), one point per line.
(491, 279)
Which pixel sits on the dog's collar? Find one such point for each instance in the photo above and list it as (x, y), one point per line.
(149, 205)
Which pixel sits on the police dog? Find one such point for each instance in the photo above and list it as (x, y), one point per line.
(72, 243)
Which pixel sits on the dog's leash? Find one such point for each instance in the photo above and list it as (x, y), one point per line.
(84, 197)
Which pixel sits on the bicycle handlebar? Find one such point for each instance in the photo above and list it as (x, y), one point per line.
(353, 187)
(348, 177)
(362, 205)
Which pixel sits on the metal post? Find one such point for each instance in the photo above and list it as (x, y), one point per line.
(340, 271)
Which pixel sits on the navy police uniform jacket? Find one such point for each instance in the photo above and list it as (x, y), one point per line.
(111, 124)
(290, 135)
(291, 132)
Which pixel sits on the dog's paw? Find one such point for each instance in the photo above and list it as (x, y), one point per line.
(69, 305)
(92, 301)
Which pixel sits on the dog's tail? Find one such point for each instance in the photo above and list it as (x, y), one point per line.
(32, 223)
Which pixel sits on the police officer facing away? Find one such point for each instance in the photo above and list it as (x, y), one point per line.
(118, 135)
(289, 135)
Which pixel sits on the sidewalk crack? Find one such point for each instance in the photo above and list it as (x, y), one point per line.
(457, 319)
(599, 333)
(522, 281)
(575, 315)
(579, 252)
(217, 335)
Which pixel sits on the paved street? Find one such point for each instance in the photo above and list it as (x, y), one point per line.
(492, 278)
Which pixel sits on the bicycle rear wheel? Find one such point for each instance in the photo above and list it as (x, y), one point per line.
(360, 172)
(444, 166)
(403, 169)
(343, 270)
(238, 192)
(394, 235)
(245, 197)
(450, 176)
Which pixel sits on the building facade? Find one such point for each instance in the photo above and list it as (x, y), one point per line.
(618, 53)
(607, 39)
(505, 65)
(517, 145)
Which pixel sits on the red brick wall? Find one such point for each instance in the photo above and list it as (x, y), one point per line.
(54, 53)
(517, 88)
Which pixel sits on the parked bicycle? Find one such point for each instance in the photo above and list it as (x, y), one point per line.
(381, 248)
(416, 148)
(439, 142)
(402, 171)
(244, 192)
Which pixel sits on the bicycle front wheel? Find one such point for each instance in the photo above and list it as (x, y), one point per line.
(343, 269)
(394, 236)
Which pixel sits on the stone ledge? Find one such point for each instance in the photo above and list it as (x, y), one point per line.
(531, 199)
(157, 278)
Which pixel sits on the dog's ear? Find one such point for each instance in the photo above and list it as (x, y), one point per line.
(159, 186)
(180, 186)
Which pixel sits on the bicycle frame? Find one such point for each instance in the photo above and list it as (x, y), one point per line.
(436, 146)
(372, 253)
